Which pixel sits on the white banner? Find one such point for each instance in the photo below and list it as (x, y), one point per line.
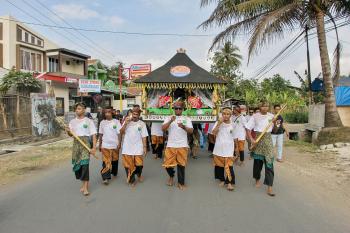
(88, 85)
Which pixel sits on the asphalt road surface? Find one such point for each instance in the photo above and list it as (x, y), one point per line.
(51, 203)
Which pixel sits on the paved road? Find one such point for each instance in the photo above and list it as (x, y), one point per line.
(51, 203)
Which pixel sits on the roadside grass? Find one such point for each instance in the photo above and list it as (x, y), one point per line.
(302, 146)
(19, 164)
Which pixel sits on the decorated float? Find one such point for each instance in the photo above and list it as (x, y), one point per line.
(180, 79)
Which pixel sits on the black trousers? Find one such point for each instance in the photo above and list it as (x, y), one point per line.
(219, 174)
(108, 174)
(137, 172)
(180, 173)
(211, 147)
(158, 151)
(269, 172)
(83, 173)
(241, 156)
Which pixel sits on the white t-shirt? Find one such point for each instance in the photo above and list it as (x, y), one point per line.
(247, 117)
(210, 128)
(156, 129)
(239, 123)
(259, 122)
(110, 130)
(132, 141)
(82, 127)
(224, 144)
(177, 137)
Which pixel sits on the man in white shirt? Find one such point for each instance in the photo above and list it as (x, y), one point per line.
(109, 138)
(239, 122)
(176, 152)
(263, 150)
(157, 139)
(134, 146)
(84, 128)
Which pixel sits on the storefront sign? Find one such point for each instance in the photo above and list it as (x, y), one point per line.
(139, 70)
(86, 85)
(180, 71)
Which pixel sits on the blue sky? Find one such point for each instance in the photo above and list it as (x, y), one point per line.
(157, 16)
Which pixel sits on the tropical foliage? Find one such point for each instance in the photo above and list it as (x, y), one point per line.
(266, 21)
(23, 82)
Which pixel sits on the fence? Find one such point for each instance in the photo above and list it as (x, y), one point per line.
(15, 116)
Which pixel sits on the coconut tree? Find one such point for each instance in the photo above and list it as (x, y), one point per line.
(266, 21)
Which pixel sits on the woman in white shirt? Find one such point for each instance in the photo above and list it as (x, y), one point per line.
(134, 147)
(224, 150)
(263, 151)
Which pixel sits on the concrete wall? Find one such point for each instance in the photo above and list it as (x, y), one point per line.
(73, 67)
(344, 113)
(316, 117)
(61, 91)
(116, 104)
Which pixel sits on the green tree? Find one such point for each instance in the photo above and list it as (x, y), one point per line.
(226, 62)
(268, 20)
(23, 82)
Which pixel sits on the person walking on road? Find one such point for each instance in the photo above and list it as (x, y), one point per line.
(263, 150)
(109, 144)
(277, 133)
(176, 152)
(134, 148)
(223, 157)
(84, 128)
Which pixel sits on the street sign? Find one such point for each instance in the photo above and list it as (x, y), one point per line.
(87, 85)
(139, 70)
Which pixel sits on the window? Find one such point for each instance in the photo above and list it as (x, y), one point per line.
(39, 42)
(32, 39)
(67, 63)
(26, 37)
(25, 60)
(30, 61)
(53, 65)
(38, 62)
(19, 34)
(33, 61)
(59, 106)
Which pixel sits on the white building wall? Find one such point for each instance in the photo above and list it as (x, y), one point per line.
(62, 92)
(73, 67)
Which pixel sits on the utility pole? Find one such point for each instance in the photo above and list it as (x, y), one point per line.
(308, 64)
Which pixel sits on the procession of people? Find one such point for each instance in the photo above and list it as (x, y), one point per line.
(128, 138)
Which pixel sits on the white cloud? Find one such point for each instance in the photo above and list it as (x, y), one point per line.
(81, 12)
(113, 20)
(75, 11)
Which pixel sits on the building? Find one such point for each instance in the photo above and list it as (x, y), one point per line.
(60, 68)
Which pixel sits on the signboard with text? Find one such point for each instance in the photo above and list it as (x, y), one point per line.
(139, 70)
(88, 85)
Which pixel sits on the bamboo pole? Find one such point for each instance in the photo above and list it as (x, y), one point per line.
(267, 128)
(75, 136)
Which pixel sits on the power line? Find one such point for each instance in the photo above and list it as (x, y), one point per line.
(89, 46)
(109, 31)
(63, 20)
(40, 21)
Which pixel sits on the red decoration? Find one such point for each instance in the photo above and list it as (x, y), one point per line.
(164, 100)
(195, 102)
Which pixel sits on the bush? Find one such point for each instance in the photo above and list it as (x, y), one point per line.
(296, 117)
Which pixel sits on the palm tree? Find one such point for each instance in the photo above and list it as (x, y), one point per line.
(226, 61)
(268, 20)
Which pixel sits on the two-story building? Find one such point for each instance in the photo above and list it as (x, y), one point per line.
(26, 50)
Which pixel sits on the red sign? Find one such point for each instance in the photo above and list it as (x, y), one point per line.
(139, 70)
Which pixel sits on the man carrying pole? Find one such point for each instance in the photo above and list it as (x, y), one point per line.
(262, 152)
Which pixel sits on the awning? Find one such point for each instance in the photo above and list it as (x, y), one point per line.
(61, 77)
